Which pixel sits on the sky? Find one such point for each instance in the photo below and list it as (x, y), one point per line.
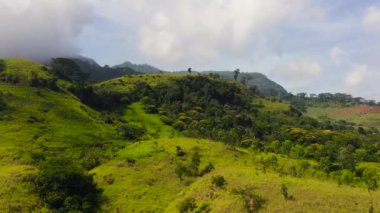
(308, 46)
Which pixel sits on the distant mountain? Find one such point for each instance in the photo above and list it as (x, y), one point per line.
(266, 86)
(144, 68)
(99, 73)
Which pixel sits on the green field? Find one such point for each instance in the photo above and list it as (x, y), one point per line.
(330, 111)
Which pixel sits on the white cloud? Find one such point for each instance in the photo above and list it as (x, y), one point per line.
(41, 29)
(371, 19)
(362, 81)
(300, 73)
(356, 76)
(200, 31)
(337, 55)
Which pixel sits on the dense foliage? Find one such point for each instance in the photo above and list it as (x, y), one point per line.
(3, 103)
(65, 187)
(206, 107)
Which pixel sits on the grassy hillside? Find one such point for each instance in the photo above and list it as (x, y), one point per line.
(142, 179)
(362, 115)
(41, 122)
(266, 86)
(153, 143)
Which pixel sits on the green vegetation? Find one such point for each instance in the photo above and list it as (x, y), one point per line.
(178, 142)
(65, 187)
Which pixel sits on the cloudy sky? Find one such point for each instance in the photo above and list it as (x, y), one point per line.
(305, 45)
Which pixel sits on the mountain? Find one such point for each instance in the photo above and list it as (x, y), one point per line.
(99, 73)
(144, 68)
(266, 86)
(173, 142)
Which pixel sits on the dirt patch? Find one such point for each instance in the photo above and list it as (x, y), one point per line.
(358, 110)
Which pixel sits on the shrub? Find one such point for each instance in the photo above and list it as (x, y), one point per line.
(346, 177)
(195, 162)
(3, 104)
(181, 170)
(284, 191)
(370, 179)
(131, 131)
(180, 125)
(253, 203)
(179, 151)
(187, 205)
(218, 181)
(36, 81)
(207, 169)
(166, 120)
(65, 187)
(2, 65)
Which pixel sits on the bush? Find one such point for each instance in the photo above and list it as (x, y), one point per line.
(36, 81)
(187, 205)
(131, 131)
(207, 169)
(3, 104)
(181, 170)
(179, 151)
(218, 181)
(370, 178)
(66, 187)
(166, 120)
(284, 191)
(2, 65)
(253, 203)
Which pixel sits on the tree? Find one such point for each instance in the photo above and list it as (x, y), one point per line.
(195, 162)
(65, 187)
(236, 74)
(131, 131)
(69, 70)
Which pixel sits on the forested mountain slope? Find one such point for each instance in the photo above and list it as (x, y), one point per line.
(171, 143)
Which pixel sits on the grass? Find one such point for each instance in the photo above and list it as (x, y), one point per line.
(25, 69)
(271, 106)
(136, 114)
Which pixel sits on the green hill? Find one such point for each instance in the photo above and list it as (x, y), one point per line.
(266, 86)
(98, 73)
(172, 143)
(143, 68)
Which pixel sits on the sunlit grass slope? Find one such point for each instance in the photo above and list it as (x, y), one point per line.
(40, 121)
(142, 178)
